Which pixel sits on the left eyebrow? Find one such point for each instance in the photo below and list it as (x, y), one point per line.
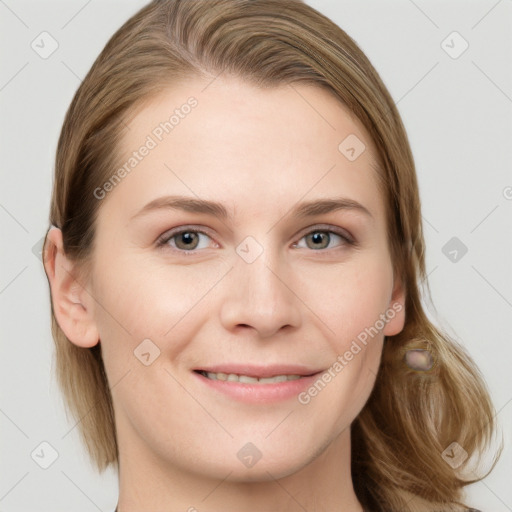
(323, 206)
(303, 210)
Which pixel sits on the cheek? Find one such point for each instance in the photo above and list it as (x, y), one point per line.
(144, 300)
(350, 299)
(367, 310)
(352, 303)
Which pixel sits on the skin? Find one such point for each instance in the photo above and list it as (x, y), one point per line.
(258, 152)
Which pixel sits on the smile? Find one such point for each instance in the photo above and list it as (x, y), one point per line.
(256, 384)
(246, 379)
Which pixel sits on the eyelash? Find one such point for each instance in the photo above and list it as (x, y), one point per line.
(163, 240)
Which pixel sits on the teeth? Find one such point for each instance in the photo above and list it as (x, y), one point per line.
(245, 379)
(277, 378)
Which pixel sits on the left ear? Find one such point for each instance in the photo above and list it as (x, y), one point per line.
(396, 309)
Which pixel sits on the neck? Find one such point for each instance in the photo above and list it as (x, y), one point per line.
(325, 484)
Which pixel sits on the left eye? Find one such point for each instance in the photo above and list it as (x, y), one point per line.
(322, 239)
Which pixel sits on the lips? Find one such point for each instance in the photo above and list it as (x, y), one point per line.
(247, 379)
(257, 384)
(256, 372)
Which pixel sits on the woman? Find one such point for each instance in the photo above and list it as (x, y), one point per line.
(235, 266)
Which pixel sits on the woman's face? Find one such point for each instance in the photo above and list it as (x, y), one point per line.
(275, 287)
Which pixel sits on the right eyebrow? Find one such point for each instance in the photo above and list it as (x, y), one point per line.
(188, 204)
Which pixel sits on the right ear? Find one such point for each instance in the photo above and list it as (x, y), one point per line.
(73, 306)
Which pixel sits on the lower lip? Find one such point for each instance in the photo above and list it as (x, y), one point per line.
(260, 393)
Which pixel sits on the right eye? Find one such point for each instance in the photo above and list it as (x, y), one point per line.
(184, 240)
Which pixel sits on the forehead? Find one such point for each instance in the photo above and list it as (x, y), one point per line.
(252, 148)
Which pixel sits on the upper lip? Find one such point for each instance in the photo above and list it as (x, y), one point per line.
(258, 371)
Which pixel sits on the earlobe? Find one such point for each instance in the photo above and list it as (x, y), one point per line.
(396, 309)
(73, 306)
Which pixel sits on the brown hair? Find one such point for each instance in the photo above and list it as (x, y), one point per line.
(411, 416)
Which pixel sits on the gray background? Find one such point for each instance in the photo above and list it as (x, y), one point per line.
(458, 113)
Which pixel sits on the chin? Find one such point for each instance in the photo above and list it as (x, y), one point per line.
(269, 464)
(265, 471)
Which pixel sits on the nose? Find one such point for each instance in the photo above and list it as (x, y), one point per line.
(260, 296)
